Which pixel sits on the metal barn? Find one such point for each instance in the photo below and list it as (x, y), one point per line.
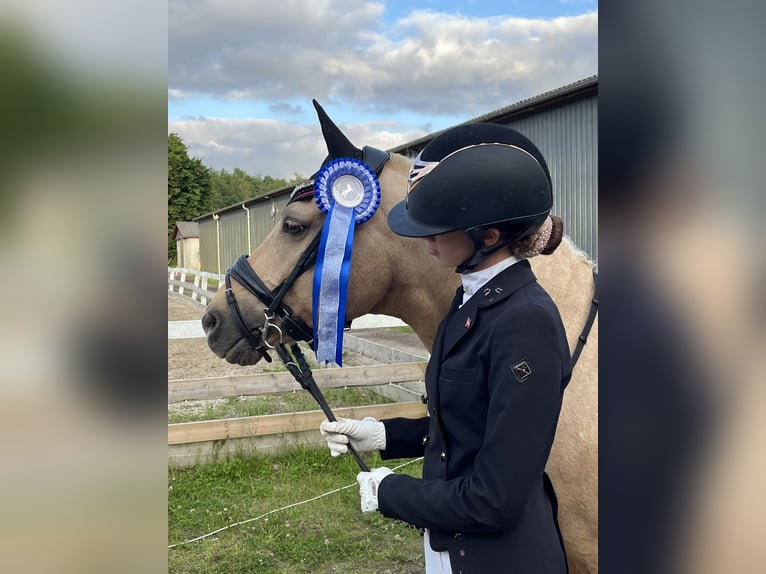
(563, 123)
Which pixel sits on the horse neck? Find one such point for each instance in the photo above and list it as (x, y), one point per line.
(420, 291)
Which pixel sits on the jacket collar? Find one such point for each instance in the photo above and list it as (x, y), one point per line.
(505, 284)
(473, 281)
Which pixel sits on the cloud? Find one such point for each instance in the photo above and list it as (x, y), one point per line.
(269, 147)
(427, 62)
(448, 64)
(243, 49)
(427, 69)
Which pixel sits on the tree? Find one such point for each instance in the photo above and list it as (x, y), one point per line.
(230, 188)
(189, 188)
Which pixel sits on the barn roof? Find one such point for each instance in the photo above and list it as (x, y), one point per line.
(584, 87)
(185, 230)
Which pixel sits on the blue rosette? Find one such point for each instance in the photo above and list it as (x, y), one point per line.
(348, 192)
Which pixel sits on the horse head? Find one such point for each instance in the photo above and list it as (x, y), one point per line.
(275, 259)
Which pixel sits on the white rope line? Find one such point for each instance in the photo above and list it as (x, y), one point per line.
(401, 388)
(293, 505)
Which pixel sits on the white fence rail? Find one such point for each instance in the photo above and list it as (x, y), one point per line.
(201, 286)
(194, 284)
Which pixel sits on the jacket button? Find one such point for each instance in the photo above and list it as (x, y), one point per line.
(425, 440)
(443, 456)
(458, 534)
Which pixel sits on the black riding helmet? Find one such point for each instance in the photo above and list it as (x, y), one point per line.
(472, 177)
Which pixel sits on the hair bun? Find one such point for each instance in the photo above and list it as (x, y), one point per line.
(557, 233)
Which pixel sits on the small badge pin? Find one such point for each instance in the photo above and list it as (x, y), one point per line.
(468, 323)
(522, 370)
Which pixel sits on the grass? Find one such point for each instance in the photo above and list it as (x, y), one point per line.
(402, 329)
(327, 535)
(296, 401)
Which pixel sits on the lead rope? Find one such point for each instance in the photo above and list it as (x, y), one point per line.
(299, 368)
(302, 373)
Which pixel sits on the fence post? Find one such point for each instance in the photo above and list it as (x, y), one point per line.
(195, 296)
(199, 292)
(204, 287)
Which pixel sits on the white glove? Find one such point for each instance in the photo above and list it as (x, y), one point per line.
(365, 435)
(368, 487)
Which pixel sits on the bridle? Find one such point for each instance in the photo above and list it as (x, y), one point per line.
(296, 328)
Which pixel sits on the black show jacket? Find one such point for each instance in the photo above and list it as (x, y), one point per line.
(495, 383)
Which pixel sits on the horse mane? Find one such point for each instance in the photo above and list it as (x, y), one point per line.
(399, 162)
(574, 253)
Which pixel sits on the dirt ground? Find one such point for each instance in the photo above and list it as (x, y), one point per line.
(191, 358)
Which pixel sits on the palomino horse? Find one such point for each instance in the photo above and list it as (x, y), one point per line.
(396, 276)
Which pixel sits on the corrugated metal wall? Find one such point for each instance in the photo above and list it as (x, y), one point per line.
(207, 246)
(566, 132)
(230, 234)
(265, 217)
(567, 136)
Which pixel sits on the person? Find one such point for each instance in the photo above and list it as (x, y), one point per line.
(481, 196)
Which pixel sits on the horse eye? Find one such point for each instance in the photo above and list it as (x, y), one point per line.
(292, 227)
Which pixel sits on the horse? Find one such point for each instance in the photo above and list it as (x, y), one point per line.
(396, 276)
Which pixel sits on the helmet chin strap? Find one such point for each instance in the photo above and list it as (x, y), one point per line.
(479, 253)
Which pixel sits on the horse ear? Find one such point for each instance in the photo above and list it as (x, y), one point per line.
(338, 145)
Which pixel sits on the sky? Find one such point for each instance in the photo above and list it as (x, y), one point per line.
(242, 73)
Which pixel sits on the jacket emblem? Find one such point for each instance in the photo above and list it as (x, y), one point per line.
(522, 370)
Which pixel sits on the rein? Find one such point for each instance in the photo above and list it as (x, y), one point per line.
(296, 363)
(583, 338)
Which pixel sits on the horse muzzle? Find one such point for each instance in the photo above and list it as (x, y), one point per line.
(225, 338)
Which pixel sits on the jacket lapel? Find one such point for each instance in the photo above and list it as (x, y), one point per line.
(460, 324)
(434, 363)
(495, 290)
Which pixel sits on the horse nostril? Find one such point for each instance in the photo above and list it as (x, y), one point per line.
(209, 322)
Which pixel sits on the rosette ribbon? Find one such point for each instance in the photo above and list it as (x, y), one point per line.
(348, 192)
